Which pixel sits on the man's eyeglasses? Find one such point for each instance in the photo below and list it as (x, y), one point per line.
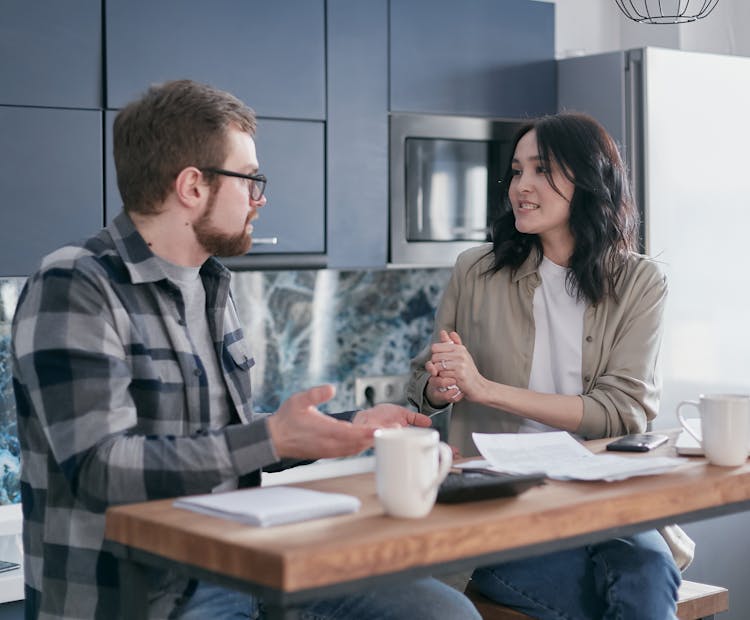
(257, 181)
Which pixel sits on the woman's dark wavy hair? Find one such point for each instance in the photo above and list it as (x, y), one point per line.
(604, 220)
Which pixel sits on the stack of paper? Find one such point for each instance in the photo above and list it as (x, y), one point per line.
(271, 506)
(561, 457)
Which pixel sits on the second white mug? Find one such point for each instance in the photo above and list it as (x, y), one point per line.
(410, 464)
(725, 424)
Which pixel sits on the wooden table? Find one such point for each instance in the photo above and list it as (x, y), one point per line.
(293, 564)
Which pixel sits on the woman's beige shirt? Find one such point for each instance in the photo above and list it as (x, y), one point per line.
(621, 340)
(493, 314)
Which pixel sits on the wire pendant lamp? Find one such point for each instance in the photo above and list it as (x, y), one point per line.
(666, 11)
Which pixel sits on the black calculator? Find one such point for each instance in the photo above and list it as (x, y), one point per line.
(474, 485)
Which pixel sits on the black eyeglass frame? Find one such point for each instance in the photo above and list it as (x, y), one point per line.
(259, 180)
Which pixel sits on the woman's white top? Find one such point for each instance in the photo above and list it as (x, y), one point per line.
(558, 340)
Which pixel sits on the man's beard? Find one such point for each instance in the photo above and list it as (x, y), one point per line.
(219, 243)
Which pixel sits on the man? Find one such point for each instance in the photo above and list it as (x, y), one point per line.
(131, 371)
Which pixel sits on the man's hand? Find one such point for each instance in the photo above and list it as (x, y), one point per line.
(299, 430)
(387, 415)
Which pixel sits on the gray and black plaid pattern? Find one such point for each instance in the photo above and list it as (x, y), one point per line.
(112, 407)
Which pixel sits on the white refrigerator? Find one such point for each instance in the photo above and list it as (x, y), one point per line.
(683, 120)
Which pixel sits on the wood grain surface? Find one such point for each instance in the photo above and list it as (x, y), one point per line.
(343, 548)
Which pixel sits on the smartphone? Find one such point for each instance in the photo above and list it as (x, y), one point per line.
(638, 442)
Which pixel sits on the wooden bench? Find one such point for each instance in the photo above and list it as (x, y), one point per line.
(697, 601)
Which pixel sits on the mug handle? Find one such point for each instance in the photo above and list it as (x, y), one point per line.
(683, 421)
(445, 461)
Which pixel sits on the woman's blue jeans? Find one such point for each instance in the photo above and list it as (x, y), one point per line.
(633, 578)
(423, 599)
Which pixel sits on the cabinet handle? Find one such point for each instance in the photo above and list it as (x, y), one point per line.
(265, 241)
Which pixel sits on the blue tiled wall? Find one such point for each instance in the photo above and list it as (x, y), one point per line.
(304, 328)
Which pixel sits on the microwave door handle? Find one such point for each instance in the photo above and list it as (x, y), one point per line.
(465, 229)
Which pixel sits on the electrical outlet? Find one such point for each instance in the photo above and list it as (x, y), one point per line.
(370, 391)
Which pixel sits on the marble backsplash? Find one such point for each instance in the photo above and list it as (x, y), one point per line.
(304, 328)
(9, 448)
(311, 327)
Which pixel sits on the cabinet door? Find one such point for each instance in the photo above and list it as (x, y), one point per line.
(291, 155)
(112, 200)
(477, 57)
(357, 134)
(51, 53)
(51, 175)
(270, 54)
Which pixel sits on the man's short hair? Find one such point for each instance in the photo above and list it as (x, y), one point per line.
(174, 125)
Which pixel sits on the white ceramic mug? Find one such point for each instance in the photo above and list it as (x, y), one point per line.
(410, 464)
(725, 424)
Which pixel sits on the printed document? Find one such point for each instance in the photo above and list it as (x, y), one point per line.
(561, 457)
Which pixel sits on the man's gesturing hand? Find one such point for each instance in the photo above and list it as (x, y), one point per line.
(386, 415)
(299, 430)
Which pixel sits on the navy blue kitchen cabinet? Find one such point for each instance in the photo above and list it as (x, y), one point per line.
(51, 53)
(357, 133)
(51, 175)
(112, 200)
(291, 155)
(270, 54)
(322, 75)
(476, 57)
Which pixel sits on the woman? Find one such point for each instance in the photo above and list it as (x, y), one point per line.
(558, 325)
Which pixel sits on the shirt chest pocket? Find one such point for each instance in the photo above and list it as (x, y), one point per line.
(240, 355)
(237, 364)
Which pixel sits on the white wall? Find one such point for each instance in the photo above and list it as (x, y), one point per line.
(595, 26)
(585, 27)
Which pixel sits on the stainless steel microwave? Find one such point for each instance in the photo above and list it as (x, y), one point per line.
(444, 184)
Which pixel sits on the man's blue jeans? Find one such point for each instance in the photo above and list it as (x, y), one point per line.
(423, 599)
(632, 578)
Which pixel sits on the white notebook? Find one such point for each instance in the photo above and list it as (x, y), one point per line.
(272, 505)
